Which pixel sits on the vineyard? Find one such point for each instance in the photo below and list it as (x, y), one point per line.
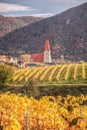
(48, 113)
(54, 74)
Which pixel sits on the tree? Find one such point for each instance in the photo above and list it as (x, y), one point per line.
(5, 74)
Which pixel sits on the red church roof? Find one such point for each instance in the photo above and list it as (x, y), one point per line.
(47, 46)
(39, 57)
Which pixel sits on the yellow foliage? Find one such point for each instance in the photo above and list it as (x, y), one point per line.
(49, 112)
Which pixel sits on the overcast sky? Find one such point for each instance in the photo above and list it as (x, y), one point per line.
(40, 8)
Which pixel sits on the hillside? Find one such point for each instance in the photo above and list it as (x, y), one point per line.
(55, 80)
(8, 24)
(55, 74)
(67, 33)
(49, 80)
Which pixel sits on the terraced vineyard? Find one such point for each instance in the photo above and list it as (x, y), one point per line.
(54, 74)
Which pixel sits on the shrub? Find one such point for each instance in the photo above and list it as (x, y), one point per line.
(32, 88)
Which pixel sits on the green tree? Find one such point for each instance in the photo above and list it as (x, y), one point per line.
(5, 74)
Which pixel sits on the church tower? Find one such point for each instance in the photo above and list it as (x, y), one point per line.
(47, 53)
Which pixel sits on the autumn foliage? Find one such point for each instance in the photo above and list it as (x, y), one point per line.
(48, 113)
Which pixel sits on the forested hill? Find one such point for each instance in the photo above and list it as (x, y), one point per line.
(67, 33)
(8, 24)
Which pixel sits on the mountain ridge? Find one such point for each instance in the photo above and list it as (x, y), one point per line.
(8, 23)
(67, 33)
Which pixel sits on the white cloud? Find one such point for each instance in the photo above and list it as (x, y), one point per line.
(43, 15)
(69, 1)
(5, 7)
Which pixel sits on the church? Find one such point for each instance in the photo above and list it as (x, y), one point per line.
(44, 57)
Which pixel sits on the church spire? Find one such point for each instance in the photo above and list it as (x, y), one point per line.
(47, 46)
(47, 53)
